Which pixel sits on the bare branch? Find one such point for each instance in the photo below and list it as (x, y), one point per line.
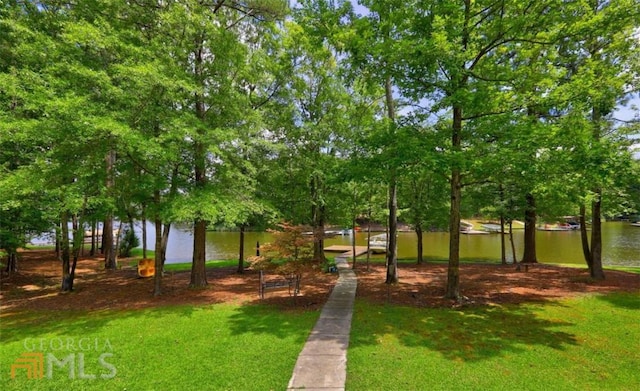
(268, 98)
(217, 7)
(627, 121)
(490, 113)
(488, 14)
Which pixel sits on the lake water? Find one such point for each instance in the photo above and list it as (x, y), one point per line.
(621, 245)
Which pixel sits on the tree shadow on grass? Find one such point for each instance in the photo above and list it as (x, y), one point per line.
(460, 335)
(271, 320)
(78, 324)
(629, 301)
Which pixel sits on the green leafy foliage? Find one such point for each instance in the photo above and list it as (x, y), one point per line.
(128, 242)
(290, 252)
(230, 114)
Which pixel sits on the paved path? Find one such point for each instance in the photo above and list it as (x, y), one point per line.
(322, 364)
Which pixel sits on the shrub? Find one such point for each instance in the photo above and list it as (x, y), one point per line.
(128, 242)
(290, 252)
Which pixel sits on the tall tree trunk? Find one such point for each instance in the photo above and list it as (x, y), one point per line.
(453, 271)
(144, 232)
(392, 246)
(108, 244)
(67, 277)
(166, 229)
(58, 245)
(198, 266)
(420, 243)
(161, 234)
(596, 270)
(368, 235)
(12, 261)
(241, 251)
(318, 211)
(460, 83)
(160, 257)
(78, 241)
(173, 190)
(92, 252)
(584, 236)
(75, 226)
(116, 246)
(597, 273)
(529, 254)
(158, 262)
(161, 241)
(503, 250)
(107, 230)
(353, 240)
(354, 216)
(513, 246)
(100, 238)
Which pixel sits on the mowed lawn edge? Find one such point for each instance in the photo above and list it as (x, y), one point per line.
(584, 343)
(216, 347)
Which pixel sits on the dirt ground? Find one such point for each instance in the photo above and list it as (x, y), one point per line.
(36, 286)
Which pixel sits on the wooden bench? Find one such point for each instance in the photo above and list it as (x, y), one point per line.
(291, 282)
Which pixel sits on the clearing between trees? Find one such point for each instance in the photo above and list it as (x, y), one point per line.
(36, 286)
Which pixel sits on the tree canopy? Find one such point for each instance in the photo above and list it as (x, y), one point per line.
(236, 113)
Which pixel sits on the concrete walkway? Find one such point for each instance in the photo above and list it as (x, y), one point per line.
(322, 364)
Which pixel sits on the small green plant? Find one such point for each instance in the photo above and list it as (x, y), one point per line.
(129, 241)
(330, 266)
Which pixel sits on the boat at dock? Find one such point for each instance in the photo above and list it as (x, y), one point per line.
(468, 229)
(474, 232)
(330, 233)
(556, 227)
(493, 228)
(378, 241)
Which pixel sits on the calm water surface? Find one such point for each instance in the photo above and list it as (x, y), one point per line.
(621, 245)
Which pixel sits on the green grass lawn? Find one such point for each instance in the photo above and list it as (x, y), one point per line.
(628, 269)
(587, 343)
(180, 267)
(40, 247)
(177, 267)
(218, 347)
(137, 252)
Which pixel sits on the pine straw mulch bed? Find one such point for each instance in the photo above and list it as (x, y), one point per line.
(36, 286)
